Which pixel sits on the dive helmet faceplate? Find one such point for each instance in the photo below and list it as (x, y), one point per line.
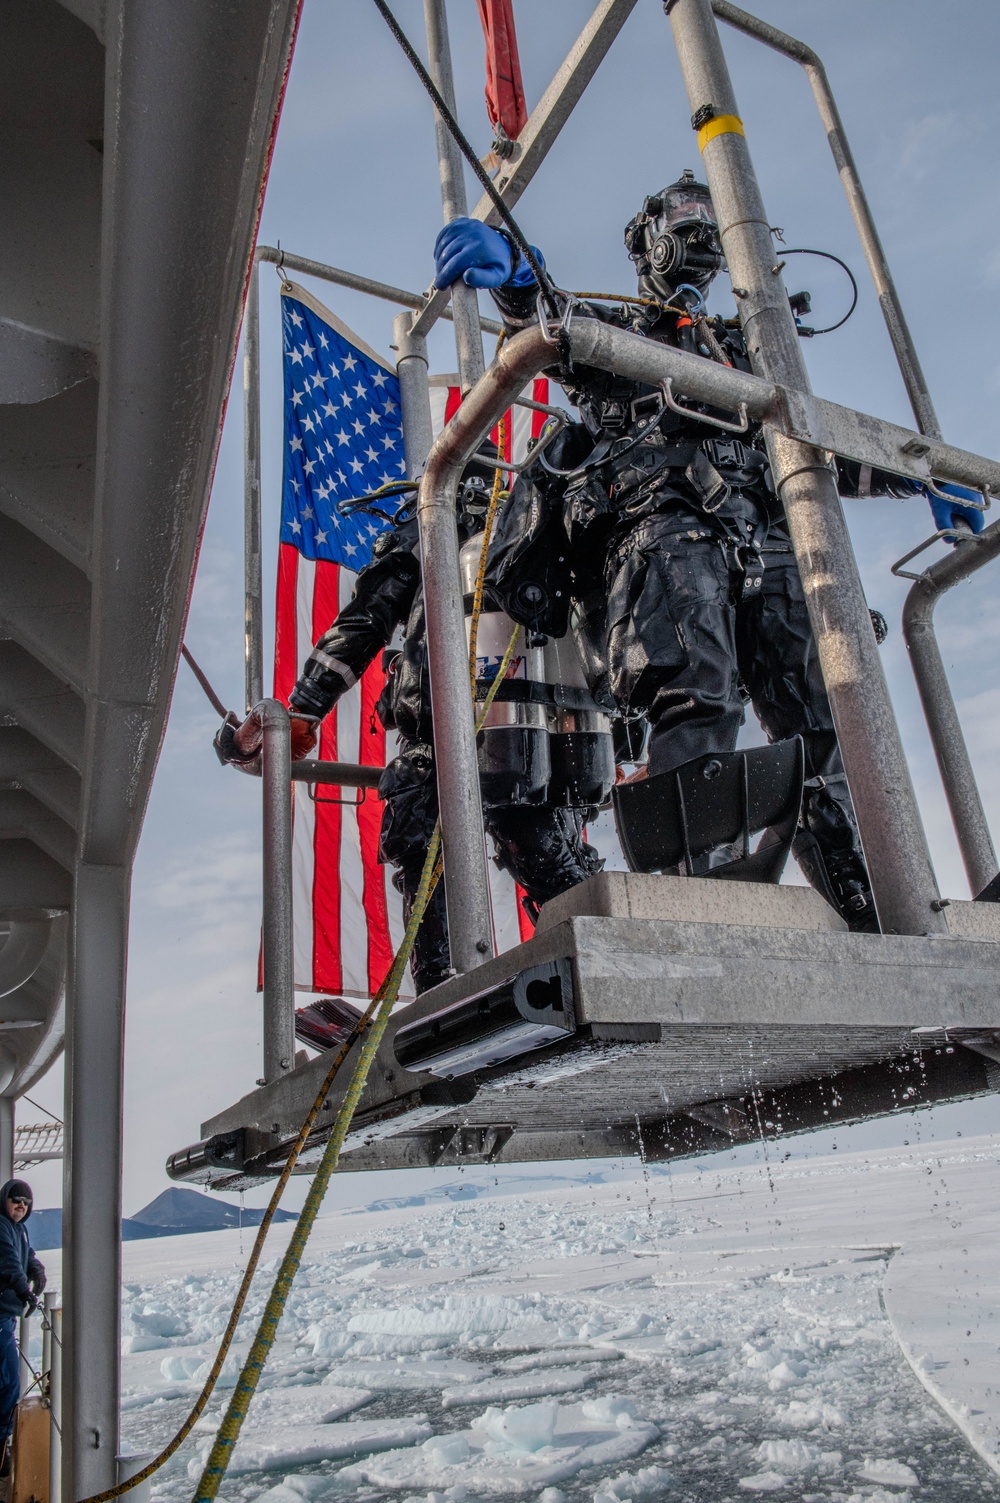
(674, 239)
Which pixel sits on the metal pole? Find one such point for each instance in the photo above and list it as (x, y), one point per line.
(895, 845)
(414, 394)
(460, 802)
(464, 300)
(92, 1179)
(954, 763)
(129, 1463)
(55, 1316)
(48, 1305)
(384, 290)
(6, 1138)
(252, 566)
(279, 1008)
(23, 1344)
(857, 200)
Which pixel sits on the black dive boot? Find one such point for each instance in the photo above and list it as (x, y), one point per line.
(841, 878)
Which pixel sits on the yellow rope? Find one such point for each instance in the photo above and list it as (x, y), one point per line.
(247, 1280)
(229, 1430)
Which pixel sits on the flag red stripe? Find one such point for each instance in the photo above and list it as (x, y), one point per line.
(453, 403)
(286, 647)
(539, 393)
(327, 967)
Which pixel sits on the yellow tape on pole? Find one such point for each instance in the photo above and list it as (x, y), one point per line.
(722, 125)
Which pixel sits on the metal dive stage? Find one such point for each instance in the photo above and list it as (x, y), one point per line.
(648, 1014)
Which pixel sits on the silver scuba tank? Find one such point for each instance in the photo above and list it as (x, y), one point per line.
(581, 749)
(513, 745)
(545, 739)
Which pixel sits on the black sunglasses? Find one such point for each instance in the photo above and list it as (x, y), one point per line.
(18, 1200)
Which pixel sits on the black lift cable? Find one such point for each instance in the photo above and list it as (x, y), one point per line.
(542, 277)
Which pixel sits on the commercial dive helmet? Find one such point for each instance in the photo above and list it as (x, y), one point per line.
(675, 238)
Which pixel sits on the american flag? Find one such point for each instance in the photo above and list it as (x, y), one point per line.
(343, 438)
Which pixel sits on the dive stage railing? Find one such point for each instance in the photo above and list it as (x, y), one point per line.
(802, 428)
(954, 763)
(857, 200)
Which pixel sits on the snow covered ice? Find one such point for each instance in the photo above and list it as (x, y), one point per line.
(692, 1337)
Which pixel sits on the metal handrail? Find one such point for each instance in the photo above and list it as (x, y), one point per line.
(857, 201)
(954, 763)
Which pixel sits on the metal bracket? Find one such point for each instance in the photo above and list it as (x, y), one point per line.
(960, 536)
(350, 803)
(703, 417)
(557, 422)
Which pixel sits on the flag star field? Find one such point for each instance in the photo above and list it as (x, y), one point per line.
(343, 435)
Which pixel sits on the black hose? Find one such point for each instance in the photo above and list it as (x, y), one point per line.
(827, 256)
(541, 276)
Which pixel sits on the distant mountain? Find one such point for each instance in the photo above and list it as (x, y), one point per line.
(171, 1214)
(177, 1210)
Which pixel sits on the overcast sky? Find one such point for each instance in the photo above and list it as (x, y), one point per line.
(354, 184)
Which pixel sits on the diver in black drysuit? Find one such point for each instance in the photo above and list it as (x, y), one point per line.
(670, 529)
(543, 848)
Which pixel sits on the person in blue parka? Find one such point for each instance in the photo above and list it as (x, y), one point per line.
(22, 1279)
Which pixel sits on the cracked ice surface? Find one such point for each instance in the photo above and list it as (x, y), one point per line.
(693, 1337)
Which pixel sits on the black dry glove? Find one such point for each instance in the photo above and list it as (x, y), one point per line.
(36, 1278)
(30, 1304)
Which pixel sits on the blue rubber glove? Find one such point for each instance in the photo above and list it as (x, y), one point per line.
(478, 254)
(953, 513)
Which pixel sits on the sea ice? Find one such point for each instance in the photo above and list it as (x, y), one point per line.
(448, 1450)
(530, 1386)
(406, 1377)
(809, 1416)
(648, 1483)
(765, 1482)
(892, 1473)
(514, 1429)
(789, 1455)
(178, 1369)
(534, 1456)
(303, 1445)
(610, 1409)
(560, 1357)
(454, 1315)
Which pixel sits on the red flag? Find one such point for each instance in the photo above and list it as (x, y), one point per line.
(504, 90)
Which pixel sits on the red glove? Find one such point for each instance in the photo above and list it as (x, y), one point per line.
(240, 744)
(304, 736)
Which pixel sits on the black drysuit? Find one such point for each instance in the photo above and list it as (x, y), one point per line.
(673, 525)
(543, 848)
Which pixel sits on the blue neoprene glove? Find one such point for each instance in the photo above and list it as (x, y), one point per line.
(478, 254)
(952, 513)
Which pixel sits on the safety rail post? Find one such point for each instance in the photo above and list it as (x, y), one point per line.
(130, 1462)
(414, 394)
(892, 834)
(53, 1313)
(857, 201)
(954, 762)
(459, 798)
(23, 1343)
(464, 300)
(279, 1009)
(252, 565)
